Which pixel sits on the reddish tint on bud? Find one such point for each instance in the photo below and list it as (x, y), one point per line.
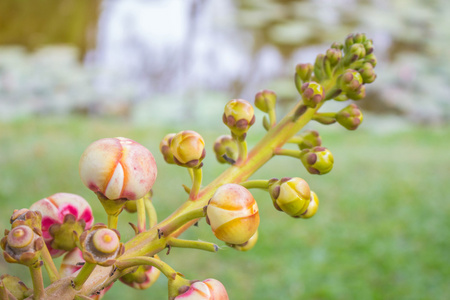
(350, 117)
(233, 214)
(164, 147)
(142, 278)
(118, 168)
(290, 195)
(188, 149)
(209, 289)
(317, 160)
(351, 83)
(226, 149)
(367, 73)
(312, 93)
(62, 215)
(312, 207)
(238, 116)
(22, 245)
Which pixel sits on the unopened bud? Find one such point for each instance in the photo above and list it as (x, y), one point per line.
(290, 195)
(22, 245)
(334, 56)
(367, 73)
(317, 160)
(143, 278)
(209, 289)
(265, 100)
(164, 147)
(304, 71)
(239, 116)
(226, 149)
(312, 93)
(372, 59)
(350, 117)
(248, 245)
(309, 139)
(312, 207)
(15, 286)
(24, 216)
(188, 148)
(233, 214)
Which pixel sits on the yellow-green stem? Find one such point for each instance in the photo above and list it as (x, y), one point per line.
(140, 205)
(179, 221)
(326, 114)
(191, 174)
(287, 152)
(179, 243)
(151, 212)
(256, 184)
(242, 150)
(272, 117)
(196, 183)
(38, 282)
(49, 265)
(83, 275)
(295, 140)
(112, 221)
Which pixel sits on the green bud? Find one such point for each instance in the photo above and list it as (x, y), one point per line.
(368, 45)
(357, 51)
(350, 117)
(225, 149)
(164, 147)
(312, 93)
(15, 286)
(188, 148)
(351, 83)
(317, 160)
(310, 139)
(371, 58)
(334, 56)
(290, 195)
(238, 116)
(337, 46)
(367, 73)
(312, 207)
(265, 100)
(359, 38)
(304, 71)
(318, 67)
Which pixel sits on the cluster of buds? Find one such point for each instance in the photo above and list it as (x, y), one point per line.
(209, 289)
(233, 214)
(64, 218)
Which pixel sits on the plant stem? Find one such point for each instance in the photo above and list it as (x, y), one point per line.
(272, 117)
(181, 220)
(295, 140)
(50, 267)
(141, 214)
(196, 183)
(151, 212)
(191, 174)
(112, 221)
(256, 184)
(38, 282)
(179, 243)
(242, 149)
(326, 114)
(287, 152)
(83, 275)
(167, 270)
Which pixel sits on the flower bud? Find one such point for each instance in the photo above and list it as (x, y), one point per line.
(164, 147)
(118, 168)
(312, 93)
(312, 207)
(225, 148)
(372, 59)
(64, 217)
(334, 56)
(367, 73)
(142, 278)
(337, 46)
(101, 245)
(233, 214)
(209, 289)
(309, 139)
(368, 45)
(248, 245)
(350, 117)
(188, 148)
(22, 245)
(350, 81)
(27, 217)
(303, 74)
(317, 160)
(290, 195)
(238, 116)
(318, 67)
(265, 100)
(15, 286)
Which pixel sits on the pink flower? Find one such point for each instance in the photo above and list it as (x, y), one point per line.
(209, 289)
(118, 168)
(62, 214)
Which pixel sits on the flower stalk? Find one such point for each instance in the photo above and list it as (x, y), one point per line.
(83, 275)
(140, 204)
(179, 243)
(38, 281)
(49, 265)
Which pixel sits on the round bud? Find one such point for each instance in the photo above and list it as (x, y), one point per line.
(334, 56)
(15, 286)
(248, 245)
(188, 148)
(312, 93)
(290, 195)
(309, 139)
(105, 240)
(225, 148)
(20, 237)
(357, 51)
(350, 81)
(372, 59)
(367, 73)
(312, 207)
(233, 214)
(209, 289)
(317, 160)
(22, 245)
(265, 100)
(238, 116)
(350, 117)
(118, 168)
(101, 245)
(164, 147)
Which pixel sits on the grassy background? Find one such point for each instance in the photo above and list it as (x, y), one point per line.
(381, 232)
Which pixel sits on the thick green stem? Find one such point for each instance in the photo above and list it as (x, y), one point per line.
(196, 183)
(256, 184)
(50, 267)
(38, 282)
(112, 221)
(287, 152)
(83, 275)
(167, 270)
(151, 212)
(179, 243)
(179, 221)
(140, 205)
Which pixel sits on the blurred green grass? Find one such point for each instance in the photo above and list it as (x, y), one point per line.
(381, 232)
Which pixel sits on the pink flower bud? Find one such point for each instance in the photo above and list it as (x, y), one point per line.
(143, 278)
(118, 168)
(209, 289)
(233, 214)
(62, 214)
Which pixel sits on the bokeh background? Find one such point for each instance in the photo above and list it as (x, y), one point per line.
(73, 71)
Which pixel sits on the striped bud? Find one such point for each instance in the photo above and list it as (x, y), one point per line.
(291, 195)
(209, 289)
(317, 160)
(233, 214)
(118, 168)
(188, 149)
